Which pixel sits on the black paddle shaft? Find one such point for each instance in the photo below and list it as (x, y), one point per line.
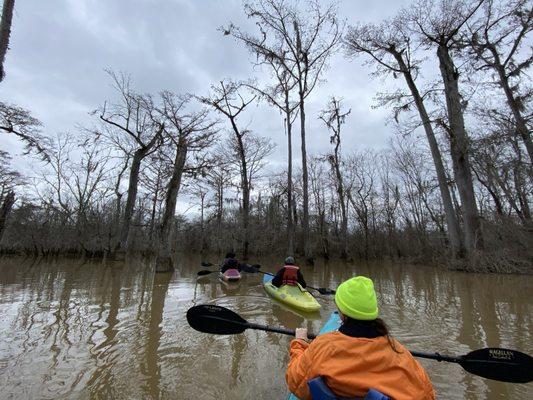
(218, 320)
(252, 269)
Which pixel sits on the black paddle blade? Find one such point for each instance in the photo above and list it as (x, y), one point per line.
(325, 291)
(204, 272)
(499, 364)
(218, 320)
(206, 264)
(250, 268)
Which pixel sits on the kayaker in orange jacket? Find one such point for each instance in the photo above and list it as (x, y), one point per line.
(289, 274)
(359, 356)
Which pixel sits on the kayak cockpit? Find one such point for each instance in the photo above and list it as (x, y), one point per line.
(320, 391)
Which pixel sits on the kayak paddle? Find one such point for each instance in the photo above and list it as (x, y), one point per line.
(320, 290)
(205, 272)
(218, 320)
(492, 363)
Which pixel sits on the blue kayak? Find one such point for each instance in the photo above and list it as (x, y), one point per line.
(332, 324)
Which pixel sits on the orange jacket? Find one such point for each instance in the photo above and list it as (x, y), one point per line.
(351, 365)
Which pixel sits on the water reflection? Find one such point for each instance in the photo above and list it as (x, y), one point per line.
(73, 329)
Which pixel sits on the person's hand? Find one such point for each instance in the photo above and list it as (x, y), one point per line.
(301, 333)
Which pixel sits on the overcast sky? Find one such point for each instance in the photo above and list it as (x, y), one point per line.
(60, 48)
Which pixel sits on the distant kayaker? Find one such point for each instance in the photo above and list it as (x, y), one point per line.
(289, 274)
(230, 262)
(360, 356)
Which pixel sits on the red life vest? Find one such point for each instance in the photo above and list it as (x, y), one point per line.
(290, 275)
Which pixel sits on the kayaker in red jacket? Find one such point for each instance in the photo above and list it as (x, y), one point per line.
(289, 274)
(359, 356)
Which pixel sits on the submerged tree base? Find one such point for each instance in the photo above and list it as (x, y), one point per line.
(499, 261)
(496, 261)
(164, 264)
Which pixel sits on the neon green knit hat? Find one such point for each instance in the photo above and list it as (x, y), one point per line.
(356, 298)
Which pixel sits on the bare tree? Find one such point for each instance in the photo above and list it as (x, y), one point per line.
(5, 209)
(391, 199)
(301, 42)
(319, 192)
(255, 149)
(219, 177)
(495, 42)
(134, 117)
(390, 48)
(439, 26)
(499, 164)
(188, 134)
(18, 121)
(360, 189)
(5, 32)
(411, 163)
(79, 181)
(199, 189)
(157, 172)
(9, 180)
(333, 116)
(279, 95)
(227, 100)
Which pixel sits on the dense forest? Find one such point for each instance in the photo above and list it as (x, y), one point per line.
(453, 188)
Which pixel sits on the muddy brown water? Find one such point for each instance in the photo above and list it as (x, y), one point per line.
(73, 329)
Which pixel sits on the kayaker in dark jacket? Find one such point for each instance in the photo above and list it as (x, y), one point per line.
(230, 262)
(289, 274)
(359, 356)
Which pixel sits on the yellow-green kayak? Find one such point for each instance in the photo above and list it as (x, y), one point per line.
(294, 296)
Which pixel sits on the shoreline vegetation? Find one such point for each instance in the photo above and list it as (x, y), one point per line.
(404, 248)
(452, 189)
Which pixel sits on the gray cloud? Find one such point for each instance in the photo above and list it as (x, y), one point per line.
(59, 50)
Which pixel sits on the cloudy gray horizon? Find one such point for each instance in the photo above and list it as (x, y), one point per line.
(59, 51)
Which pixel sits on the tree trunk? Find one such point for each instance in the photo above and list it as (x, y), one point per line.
(460, 149)
(164, 260)
(5, 32)
(342, 200)
(245, 186)
(344, 216)
(202, 222)
(133, 184)
(245, 204)
(132, 197)
(521, 125)
(521, 193)
(220, 213)
(290, 222)
(7, 205)
(454, 231)
(308, 253)
(488, 184)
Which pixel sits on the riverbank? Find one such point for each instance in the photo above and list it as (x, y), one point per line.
(494, 261)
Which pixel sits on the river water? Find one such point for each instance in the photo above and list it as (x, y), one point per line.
(73, 329)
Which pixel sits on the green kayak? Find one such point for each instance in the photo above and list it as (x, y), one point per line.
(294, 296)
